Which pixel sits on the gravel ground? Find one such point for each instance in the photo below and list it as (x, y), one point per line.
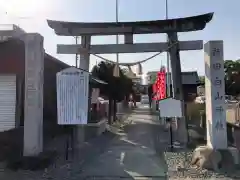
(179, 168)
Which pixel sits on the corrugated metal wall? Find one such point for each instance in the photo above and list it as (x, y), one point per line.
(12, 61)
(7, 102)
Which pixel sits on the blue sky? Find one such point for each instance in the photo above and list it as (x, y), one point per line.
(31, 15)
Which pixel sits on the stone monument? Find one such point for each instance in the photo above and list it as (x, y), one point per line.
(212, 155)
(33, 107)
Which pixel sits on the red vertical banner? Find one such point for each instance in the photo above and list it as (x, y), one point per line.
(162, 89)
(160, 85)
(156, 87)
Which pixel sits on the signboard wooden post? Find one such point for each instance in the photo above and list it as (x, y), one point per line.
(170, 108)
(72, 96)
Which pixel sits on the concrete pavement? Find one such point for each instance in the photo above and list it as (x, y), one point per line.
(135, 153)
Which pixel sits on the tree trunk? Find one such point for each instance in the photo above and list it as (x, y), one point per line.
(114, 110)
(110, 111)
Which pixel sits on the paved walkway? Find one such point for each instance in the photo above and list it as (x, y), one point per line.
(133, 154)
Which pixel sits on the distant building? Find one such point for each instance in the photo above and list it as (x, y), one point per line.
(144, 79)
(130, 74)
(139, 70)
(139, 80)
(190, 82)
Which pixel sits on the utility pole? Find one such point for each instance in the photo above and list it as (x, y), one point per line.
(116, 68)
(168, 58)
(117, 38)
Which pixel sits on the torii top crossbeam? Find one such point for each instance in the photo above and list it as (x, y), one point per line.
(193, 23)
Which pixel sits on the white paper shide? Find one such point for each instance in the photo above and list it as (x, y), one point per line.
(72, 96)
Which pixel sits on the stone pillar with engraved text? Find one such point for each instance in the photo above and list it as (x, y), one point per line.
(33, 103)
(215, 95)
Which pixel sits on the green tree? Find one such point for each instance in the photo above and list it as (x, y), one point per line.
(202, 80)
(117, 88)
(232, 77)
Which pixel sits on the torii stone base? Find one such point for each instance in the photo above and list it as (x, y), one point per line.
(206, 157)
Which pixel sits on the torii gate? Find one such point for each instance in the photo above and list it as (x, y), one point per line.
(128, 29)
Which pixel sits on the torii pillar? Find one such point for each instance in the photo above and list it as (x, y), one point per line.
(181, 133)
(84, 64)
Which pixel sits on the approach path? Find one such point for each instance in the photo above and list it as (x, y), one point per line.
(135, 153)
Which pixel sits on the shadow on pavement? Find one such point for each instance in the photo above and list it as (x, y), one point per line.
(136, 153)
(126, 159)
